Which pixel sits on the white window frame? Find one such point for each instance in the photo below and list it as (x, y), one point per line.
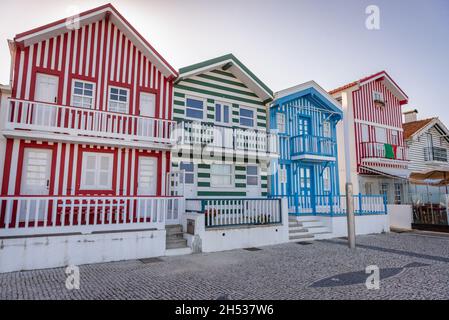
(253, 117)
(378, 129)
(394, 133)
(398, 196)
(365, 132)
(96, 171)
(283, 175)
(231, 174)
(73, 94)
(143, 93)
(280, 122)
(380, 95)
(188, 172)
(204, 108)
(327, 127)
(127, 99)
(253, 175)
(222, 105)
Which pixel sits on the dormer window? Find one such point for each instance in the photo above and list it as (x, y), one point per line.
(378, 98)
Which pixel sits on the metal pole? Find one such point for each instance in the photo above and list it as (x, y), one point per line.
(349, 186)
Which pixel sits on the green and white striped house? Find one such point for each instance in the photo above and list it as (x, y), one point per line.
(223, 147)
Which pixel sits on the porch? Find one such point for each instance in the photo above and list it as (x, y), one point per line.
(309, 147)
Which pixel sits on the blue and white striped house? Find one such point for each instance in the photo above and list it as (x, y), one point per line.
(305, 117)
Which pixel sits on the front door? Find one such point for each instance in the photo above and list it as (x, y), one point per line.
(147, 109)
(47, 92)
(189, 179)
(35, 181)
(306, 189)
(253, 181)
(303, 128)
(146, 186)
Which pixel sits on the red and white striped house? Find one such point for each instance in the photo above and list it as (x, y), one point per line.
(373, 110)
(87, 129)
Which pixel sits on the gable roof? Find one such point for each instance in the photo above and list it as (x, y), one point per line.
(380, 76)
(416, 128)
(106, 11)
(231, 63)
(316, 93)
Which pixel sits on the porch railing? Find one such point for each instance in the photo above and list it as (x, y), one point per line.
(53, 118)
(378, 150)
(37, 215)
(226, 137)
(312, 145)
(239, 212)
(335, 205)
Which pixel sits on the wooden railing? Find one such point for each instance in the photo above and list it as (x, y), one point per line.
(312, 145)
(232, 212)
(226, 137)
(53, 118)
(377, 150)
(34, 215)
(335, 205)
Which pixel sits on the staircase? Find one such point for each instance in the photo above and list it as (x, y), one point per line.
(175, 242)
(306, 228)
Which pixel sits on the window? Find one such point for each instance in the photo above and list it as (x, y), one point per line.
(280, 122)
(222, 113)
(326, 180)
(397, 193)
(83, 94)
(252, 177)
(394, 137)
(283, 175)
(378, 96)
(365, 133)
(247, 117)
(221, 175)
(381, 135)
(96, 172)
(189, 172)
(368, 188)
(194, 108)
(118, 100)
(327, 129)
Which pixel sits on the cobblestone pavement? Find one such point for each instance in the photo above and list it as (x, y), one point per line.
(284, 271)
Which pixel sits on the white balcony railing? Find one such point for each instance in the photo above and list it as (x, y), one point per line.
(34, 215)
(52, 118)
(226, 137)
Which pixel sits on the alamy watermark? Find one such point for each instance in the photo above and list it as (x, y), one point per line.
(372, 22)
(72, 281)
(373, 280)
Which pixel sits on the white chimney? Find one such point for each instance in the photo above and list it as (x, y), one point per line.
(410, 116)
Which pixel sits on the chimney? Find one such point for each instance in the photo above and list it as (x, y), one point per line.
(411, 116)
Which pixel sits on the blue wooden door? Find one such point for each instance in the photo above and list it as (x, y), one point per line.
(306, 190)
(304, 133)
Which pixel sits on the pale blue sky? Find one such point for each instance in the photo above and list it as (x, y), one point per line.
(284, 42)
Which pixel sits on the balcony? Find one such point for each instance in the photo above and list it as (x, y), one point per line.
(314, 148)
(42, 120)
(227, 139)
(383, 152)
(435, 154)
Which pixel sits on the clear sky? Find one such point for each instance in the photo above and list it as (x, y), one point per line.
(284, 42)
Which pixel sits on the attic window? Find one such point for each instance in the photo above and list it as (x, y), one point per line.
(378, 98)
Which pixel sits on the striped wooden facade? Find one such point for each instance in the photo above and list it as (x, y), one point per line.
(217, 86)
(289, 178)
(99, 52)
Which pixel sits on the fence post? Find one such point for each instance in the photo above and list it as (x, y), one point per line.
(385, 203)
(360, 203)
(331, 204)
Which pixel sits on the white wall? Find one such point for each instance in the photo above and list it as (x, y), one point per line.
(221, 239)
(369, 224)
(59, 251)
(401, 216)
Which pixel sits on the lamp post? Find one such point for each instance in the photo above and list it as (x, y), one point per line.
(349, 186)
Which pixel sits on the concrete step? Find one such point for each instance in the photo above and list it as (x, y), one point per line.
(297, 237)
(307, 219)
(178, 251)
(174, 228)
(176, 243)
(294, 224)
(311, 224)
(297, 230)
(317, 229)
(175, 235)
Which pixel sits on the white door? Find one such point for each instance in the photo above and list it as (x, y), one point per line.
(252, 182)
(147, 186)
(46, 91)
(35, 181)
(189, 179)
(147, 109)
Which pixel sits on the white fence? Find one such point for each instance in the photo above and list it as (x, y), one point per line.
(33, 215)
(22, 114)
(237, 212)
